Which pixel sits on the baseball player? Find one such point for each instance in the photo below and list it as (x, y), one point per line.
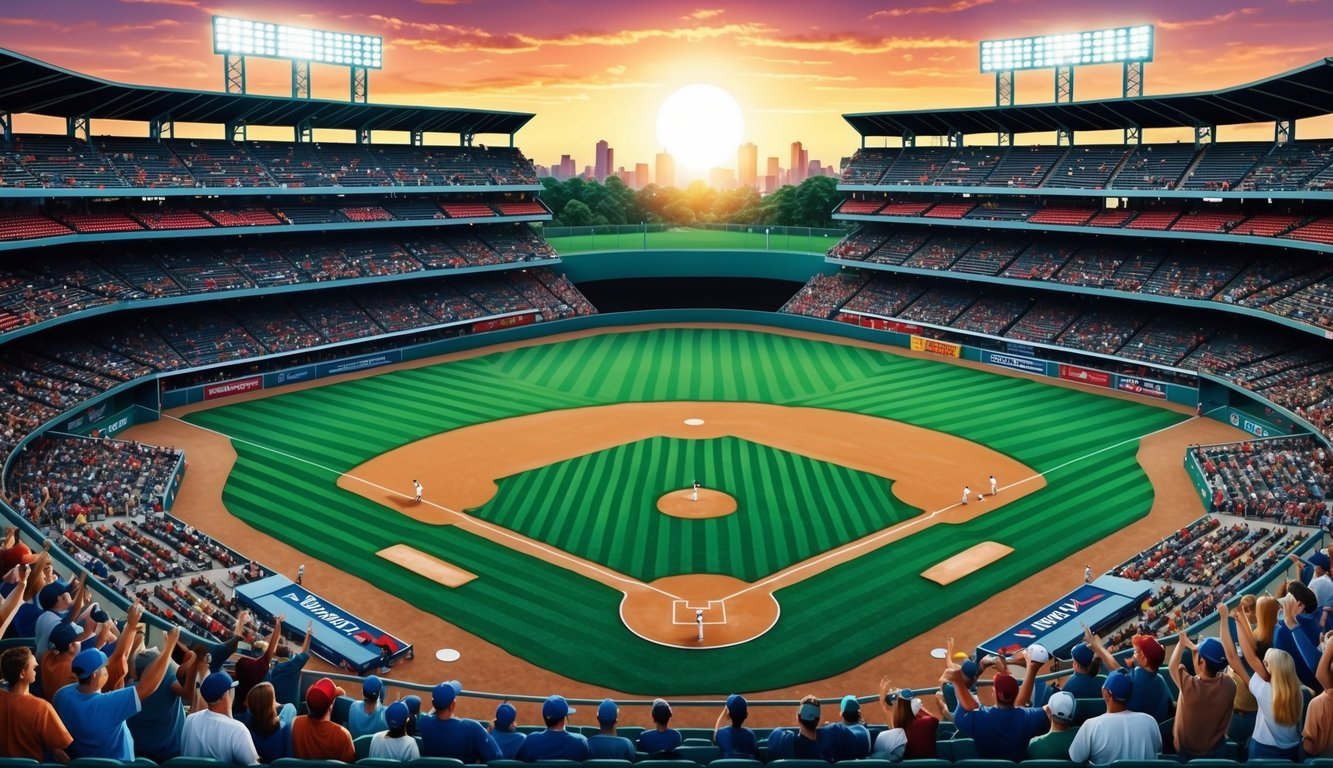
(967, 494)
(417, 486)
(694, 496)
(300, 572)
(994, 486)
(699, 617)
(1087, 574)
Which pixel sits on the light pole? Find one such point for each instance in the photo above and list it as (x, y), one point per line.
(766, 231)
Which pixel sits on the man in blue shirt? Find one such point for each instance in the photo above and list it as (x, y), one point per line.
(505, 733)
(158, 726)
(1001, 732)
(444, 735)
(1151, 695)
(96, 720)
(1085, 683)
(735, 740)
(606, 744)
(662, 740)
(554, 743)
(849, 739)
(286, 672)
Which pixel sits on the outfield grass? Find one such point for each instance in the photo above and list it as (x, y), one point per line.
(752, 239)
(570, 624)
(789, 507)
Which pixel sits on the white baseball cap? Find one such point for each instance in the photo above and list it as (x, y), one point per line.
(1038, 653)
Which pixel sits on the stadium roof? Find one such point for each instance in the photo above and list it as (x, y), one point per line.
(28, 86)
(1298, 94)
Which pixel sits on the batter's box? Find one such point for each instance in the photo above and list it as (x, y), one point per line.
(686, 612)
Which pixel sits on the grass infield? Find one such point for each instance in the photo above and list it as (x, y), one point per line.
(685, 238)
(570, 624)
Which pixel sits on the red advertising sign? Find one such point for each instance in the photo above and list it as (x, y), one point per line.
(1085, 375)
(504, 322)
(233, 387)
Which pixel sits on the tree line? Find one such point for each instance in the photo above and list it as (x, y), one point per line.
(586, 203)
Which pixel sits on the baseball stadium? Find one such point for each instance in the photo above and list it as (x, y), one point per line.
(364, 393)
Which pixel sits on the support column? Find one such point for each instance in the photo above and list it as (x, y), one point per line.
(360, 85)
(303, 131)
(233, 73)
(1064, 85)
(78, 127)
(300, 79)
(1284, 131)
(1004, 88)
(236, 131)
(7, 127)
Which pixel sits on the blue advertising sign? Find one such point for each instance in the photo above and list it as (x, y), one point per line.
(290, 376)
(1016, 362)
(1059, 625)
(1015, 348)
(359, 363)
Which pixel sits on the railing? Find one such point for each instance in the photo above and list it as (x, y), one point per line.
(646, 237)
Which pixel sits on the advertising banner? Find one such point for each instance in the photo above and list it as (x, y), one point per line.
(1144, 387)
(513, 321)
(233, 387)
(1085, 375)
(1059, 626)
(935, 347)
(291, 376)
(1015, 348)
(1016, 362)
(358, 363)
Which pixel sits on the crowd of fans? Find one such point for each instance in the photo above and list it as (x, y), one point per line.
(60, 161)
(1286, 480)
(1221, 166)
(38, 288)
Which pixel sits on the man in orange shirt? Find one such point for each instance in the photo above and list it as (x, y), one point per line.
(55, 663)
(314, 735)
(29, 726)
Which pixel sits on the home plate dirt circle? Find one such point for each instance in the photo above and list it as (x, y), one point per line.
(733, 612)
(710, 504)
(694, 422)
(447, 654)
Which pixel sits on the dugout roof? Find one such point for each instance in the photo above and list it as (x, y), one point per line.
(29, 86)
(1295, 95)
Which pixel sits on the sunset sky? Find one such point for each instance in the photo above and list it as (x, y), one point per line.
(600, 70)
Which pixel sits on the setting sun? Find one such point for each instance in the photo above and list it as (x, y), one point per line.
(700, 125)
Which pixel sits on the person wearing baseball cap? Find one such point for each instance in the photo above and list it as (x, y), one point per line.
(505, 731)
(314, 735)
(368, 717)
(606, 744)
(443, 734)
(1085, 682)
(847, 739)
(1120, 734)
(1299, 632)
(1054, 745)
(56, 664)
(554, 743)
(661, 740)
(912, 729)
(96, 720)
(1315, 574)
(394, 743)
(1001, 732)
(211, 732)
(1152, 696)
(1207, 698)
(735, 740)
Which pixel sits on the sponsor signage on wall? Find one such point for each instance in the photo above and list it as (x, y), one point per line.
(1144, 387)
(233, 387)
(1016, 362)
(936, 347)
(1085, 375)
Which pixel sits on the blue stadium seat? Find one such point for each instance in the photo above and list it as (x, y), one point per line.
(1159, 763)
(792, 762)
(735, 762)
(1050, 764)
(433, 762)
(982, 762)
(196, 762)
(362, 745)
(696, 733)
(925, 763)
(703, 754)
(606, 762)
(1087, 708)
(378, 762)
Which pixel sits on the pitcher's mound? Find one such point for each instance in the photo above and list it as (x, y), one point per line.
(710, 504)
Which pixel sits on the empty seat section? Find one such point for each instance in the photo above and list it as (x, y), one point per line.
(221, 163)
(868, 165)
(917, 165)
(1222, 166)
(60, 161)
(146, 162)
(1154, 166)
(1025, 166)
(1086, 167)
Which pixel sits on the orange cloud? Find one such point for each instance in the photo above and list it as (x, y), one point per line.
(703, 13)
(954, 7)
(451, 38)
(847, 42)
(1220, 18)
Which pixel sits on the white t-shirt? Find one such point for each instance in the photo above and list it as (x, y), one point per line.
(402, 748)
(209, 734)
(890, 744)
(1266, 731)
(1117, 736)
(1322, 587)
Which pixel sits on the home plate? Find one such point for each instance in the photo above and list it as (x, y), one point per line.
(939, 653)
(447, 654)
(694, 422)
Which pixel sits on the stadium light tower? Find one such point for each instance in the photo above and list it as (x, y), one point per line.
(235, 39)
(1131, 47)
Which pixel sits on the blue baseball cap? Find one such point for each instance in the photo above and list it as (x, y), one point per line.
(556, 708)
(50, 594)
(505, 714)
(63, 636)
(1119, 685)
(372, 686)
(971, 670)
(1083, 654)
(87, 662)
(608, 712)
(737, 706)
(1320, 559)
(850, 706)
(445, 693)
(1212, 650)
(413, 703)
(215, 686)
(395, 716)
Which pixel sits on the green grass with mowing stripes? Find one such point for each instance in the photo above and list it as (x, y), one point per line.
(753, 239)
(570, 624)
(602, 507)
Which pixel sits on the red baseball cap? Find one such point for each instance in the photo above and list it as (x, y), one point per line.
(19, 554)
(1153, 652)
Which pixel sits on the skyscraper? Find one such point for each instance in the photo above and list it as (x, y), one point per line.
(567, 169)
(800, 161)
(773, 169)
(666, 170)
(602, 163)
(747, 165)
(640, 175)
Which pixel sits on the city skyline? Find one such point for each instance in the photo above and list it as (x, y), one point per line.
(745, 169)
(602, 72)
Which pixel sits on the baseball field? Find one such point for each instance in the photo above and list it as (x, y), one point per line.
(546, 468)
